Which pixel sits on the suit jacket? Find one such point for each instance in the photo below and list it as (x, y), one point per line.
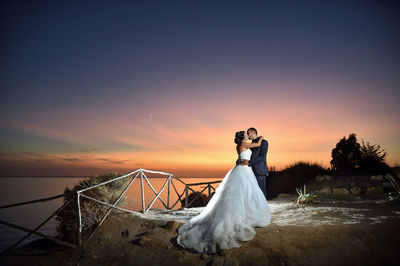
(258, 160)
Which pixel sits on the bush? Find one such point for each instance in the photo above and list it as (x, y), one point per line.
(373, 159)
(347, 154)
(202, 199)
(293, 176)
(91, 212)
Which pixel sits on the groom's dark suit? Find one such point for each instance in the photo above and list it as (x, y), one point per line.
(258, 163)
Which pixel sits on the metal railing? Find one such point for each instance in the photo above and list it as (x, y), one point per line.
(139, 173)
(35, 231)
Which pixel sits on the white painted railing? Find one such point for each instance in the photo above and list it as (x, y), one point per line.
(141, 173)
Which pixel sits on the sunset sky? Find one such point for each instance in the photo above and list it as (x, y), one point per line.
(89, 87)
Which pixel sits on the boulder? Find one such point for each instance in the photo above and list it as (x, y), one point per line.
(218, 261)
(355, 190)
(325, 190)
(144, 240)
(283, 195)
(377, 177)
(375, 190)
(340, 191)
(173, 225)
(319, 178)
(322, 178)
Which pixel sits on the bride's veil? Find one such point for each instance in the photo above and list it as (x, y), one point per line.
(210, 205)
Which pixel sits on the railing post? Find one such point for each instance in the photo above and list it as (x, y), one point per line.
(141, 184)
(80, 220)
(169, 189)
(209, 191)
(186, 196)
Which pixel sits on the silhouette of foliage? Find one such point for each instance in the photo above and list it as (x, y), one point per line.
(67, 219)
(293, 176)
(201, 199)
(373, 159)
(350, 156)
(346, 155)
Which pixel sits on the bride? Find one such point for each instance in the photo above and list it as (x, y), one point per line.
(237, 206)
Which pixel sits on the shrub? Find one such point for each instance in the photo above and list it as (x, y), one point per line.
(202, 199)
(373, 159)
(293, 176)
(91, 212)
(350, 156)
(347, 154)
(304, 197)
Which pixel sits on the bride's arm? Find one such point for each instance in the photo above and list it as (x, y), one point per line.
(252, 145)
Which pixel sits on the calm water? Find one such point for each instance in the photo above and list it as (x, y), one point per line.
(19, 189)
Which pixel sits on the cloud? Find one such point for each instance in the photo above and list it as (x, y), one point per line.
(113, 161)
(35, 154)
(71, 159)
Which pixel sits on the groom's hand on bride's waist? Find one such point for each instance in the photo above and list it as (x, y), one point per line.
(251, 163)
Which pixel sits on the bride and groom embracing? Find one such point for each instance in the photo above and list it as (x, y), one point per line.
(238, 204)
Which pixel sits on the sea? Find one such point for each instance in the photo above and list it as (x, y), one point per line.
(21, 189)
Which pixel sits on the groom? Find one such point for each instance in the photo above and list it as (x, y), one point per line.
(258, 160)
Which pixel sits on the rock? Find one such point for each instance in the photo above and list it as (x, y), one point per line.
(374, 190)
(173, 225)
(377, 177)
(387, 185)
(325, 190)
(226, 252)
(319, 178)
(231, 262)
(106, 237)
(340, 191)
(218, 261)
(125, 233)
(182, 258)
(144, 240)
(355, 190)
(282, 195)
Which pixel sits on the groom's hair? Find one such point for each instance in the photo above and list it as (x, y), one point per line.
(252, 129)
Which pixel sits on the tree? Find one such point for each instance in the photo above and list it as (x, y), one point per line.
(347, 154)
(373, 159)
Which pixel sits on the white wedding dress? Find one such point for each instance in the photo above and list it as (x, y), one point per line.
(237, 206)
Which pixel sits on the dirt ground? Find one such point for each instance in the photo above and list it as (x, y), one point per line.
(126, 239)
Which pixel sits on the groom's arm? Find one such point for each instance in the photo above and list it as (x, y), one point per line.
(263, 154)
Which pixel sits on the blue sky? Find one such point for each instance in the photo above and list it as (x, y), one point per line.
(141, 81)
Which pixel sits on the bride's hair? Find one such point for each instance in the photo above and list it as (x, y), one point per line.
(239, 136)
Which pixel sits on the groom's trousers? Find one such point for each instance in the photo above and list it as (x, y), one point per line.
(262, 183)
